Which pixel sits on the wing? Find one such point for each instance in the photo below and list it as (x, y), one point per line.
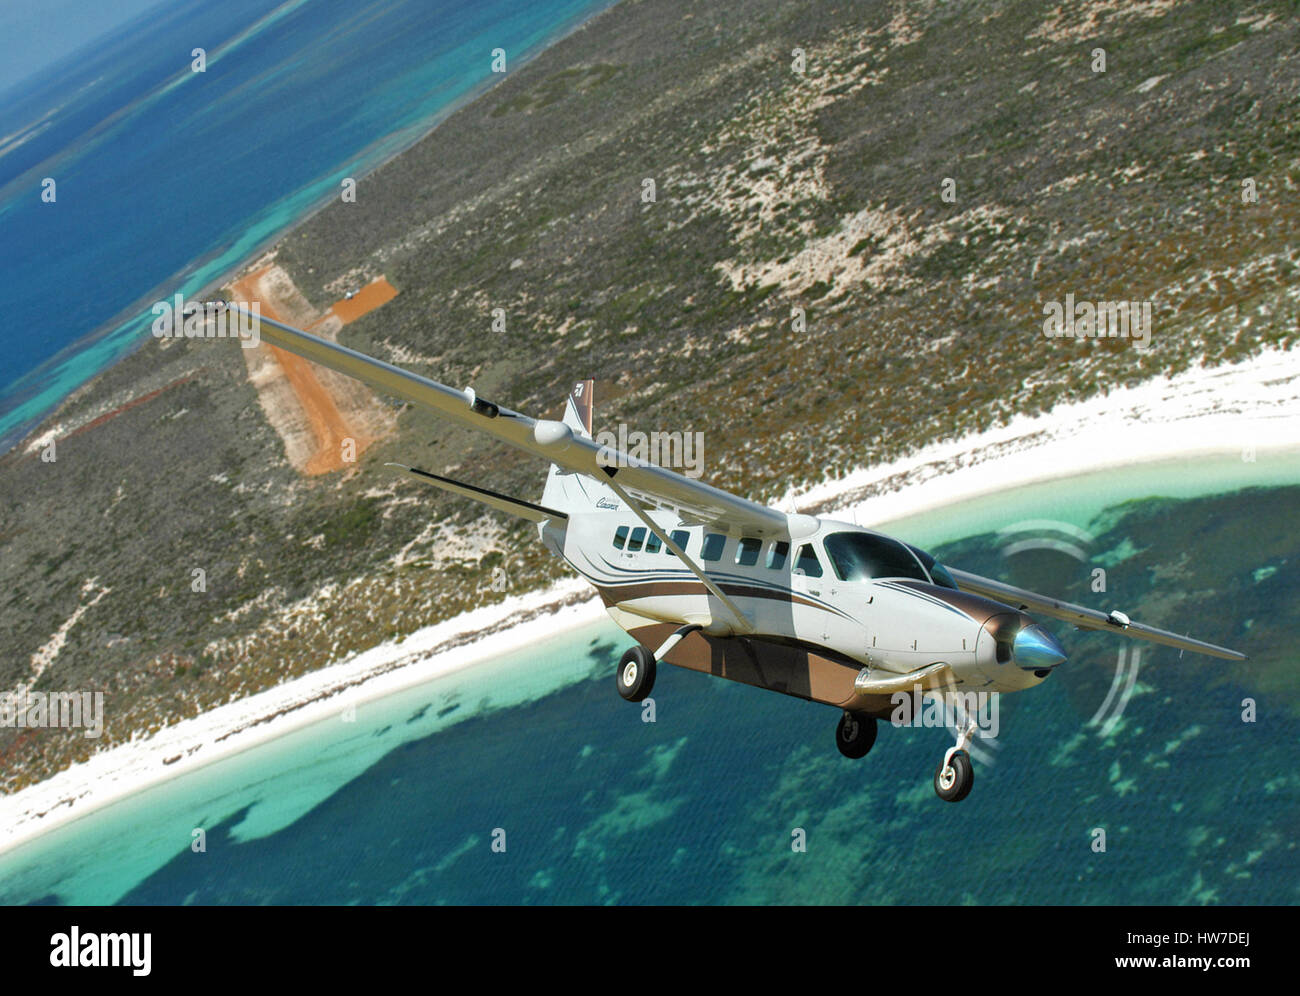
(656, 486)
(1082, 617)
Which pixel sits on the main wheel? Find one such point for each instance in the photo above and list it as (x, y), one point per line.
(855, 735)
(953, 783)
(636, 674)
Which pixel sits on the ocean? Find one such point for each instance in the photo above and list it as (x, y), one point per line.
(166, 179)
(535, 751)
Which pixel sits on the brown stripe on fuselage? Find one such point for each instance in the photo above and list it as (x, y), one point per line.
(614, 594)
(977, 607)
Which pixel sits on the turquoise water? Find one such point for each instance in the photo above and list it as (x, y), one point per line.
(275, 784)
(167, 179)
(700, 805)
(1079, 500)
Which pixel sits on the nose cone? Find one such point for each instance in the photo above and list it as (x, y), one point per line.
(1035, 649)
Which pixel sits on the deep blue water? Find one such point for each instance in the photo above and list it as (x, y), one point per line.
(167, 178)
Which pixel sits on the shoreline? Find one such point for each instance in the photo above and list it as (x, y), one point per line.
(1201, 413)
(138, 310)
(434, 652)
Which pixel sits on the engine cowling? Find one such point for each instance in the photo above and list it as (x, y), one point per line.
(1015, 652)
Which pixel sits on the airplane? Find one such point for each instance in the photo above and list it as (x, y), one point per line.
(805, 605)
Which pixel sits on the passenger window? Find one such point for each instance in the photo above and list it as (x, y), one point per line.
(652, 543)
(747, 552)
(620, 537)
(808, 562)
(638, 537)
(713, 544)
(681, 537)
(776, 556)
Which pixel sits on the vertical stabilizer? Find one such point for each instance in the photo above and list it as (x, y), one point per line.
(566, 490)
(578, 409)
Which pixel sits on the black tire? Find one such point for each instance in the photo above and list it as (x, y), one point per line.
(855, 735)
(962, 780)
(636, 674)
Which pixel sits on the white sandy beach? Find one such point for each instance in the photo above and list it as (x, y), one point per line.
(1204, 412)
(1221, 410)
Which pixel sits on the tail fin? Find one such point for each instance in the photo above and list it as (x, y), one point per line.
(566, 490)
(578, 409)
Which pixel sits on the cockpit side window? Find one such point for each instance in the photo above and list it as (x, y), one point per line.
(863, 556)
(807, 563)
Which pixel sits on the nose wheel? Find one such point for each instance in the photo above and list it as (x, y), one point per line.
(953, 779)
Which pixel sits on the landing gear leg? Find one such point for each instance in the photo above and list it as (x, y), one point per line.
(954, 778)
(675, 639)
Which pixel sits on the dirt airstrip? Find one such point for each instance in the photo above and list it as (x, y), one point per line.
(315, 411)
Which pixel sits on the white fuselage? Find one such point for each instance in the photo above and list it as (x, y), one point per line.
(897, 624)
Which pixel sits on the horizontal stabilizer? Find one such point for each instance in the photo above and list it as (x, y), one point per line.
(502, 503)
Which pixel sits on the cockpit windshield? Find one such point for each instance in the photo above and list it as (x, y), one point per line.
(936, 569)
(863, 556)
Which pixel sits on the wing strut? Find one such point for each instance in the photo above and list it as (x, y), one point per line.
(743, 624)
